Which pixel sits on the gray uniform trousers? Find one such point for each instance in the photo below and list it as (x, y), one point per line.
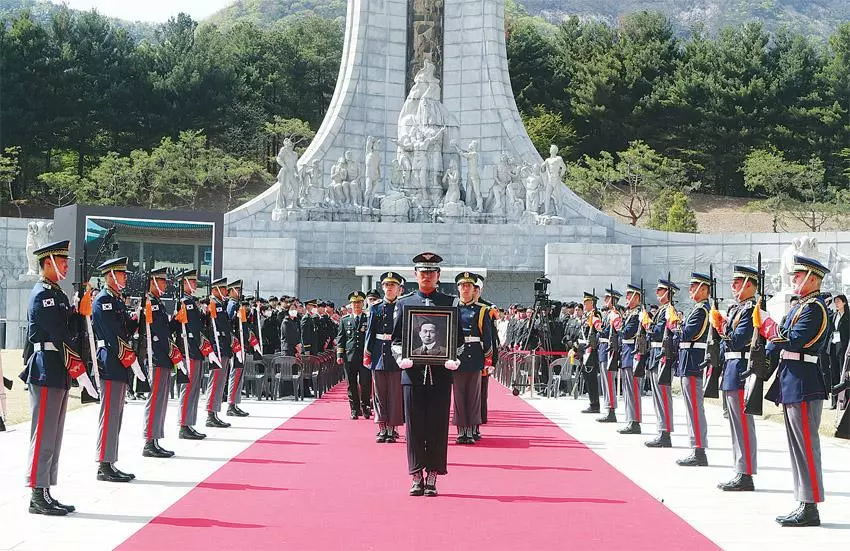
(744, 446)
(801, 425)
(235, 383)
(389, 398)
(217, 378)
(632, 387)
(467, 398)
(48, 406)
(662, 399)
(157, 404)
(609, 387)
(111, 415)
(190, 394)
(695, 410)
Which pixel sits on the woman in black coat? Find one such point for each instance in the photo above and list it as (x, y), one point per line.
(838, 342)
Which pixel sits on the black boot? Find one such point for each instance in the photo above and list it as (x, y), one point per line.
(233, 411)
(152, 450)
(42, 504)
(107, 473)
(610, 417)
(2, 425)
(214, 421)
(69, 508)
(780, 518)
(382, 436)
(662, 441)
(632, 428)
(166, 453)
(187, 434)
(431, 485)
(122, 473)
(741, 483)
(591, 409)
(805, 515)
(355, 415)
(476, 433)
(696, 459)
(367, 412)
(392, 435)
(241, 412)
(418, 486)
(198, 435)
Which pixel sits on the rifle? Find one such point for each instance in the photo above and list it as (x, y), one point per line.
(182, 316)
(85, 309)
(613, 339)
(712, 364)
(259, 315)
(669, 354)
(640, 339)
(759, 369)
(148, 323)
(588, 354)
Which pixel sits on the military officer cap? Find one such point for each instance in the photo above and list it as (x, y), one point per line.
(427, 262)
(806, 264)
(745, 272)
(59, 248)
(114, 265)
(667, 284)
(613, 293)
(590, 296)
(237, 284)
(373, 294)
(466, 277)
(189, 274)
(330, 304)
(633, 289)
(479, 281)
(159, 273)
(272, 298)
(392, 277)
(220, 282)
(312, 302)
(699, 277)
(357, 296)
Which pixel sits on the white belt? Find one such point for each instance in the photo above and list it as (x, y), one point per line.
(384, 337)
(627, 341)
(736, 355)
(47, 346)
(654, 344)
(472, 339)
(101, 344)
(788, 355)
(685, 345)
(582, 341)
(603, 340)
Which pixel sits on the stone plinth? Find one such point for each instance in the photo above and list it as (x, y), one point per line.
(273, 262)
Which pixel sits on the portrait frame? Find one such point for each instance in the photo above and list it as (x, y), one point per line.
(443, 328)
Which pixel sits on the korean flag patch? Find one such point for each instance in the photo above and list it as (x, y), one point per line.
(107, 306)
(48, 302)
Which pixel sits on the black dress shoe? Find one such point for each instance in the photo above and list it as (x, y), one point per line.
(632, 428)
(662, 441)
(476, 435)
(199, 435)
(41, 503)
(355, 415)
(162, 450)
(367, 413)
(233, 411)
(418, 486)
(780, 518)
(741, 483)
(122, 473)
(696, 459)
(214, 421)
(610, 417)
(107, 473)
(382, 437)
(395, 435)
(241, 412)
(187, 434)
(431, 485)
(2, 425)
(69, 508)
(392, 437)
(151, 450)
(806, 515)
(591, 409)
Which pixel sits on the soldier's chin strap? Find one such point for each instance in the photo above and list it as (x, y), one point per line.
(59, 275)
(699, 286)
(156, 284)
(116, 282)
(799, 289)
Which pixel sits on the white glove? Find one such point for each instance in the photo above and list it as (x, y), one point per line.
(405, 363)
(182, 367)
(86, 383)
(214, 359)
(257, 349)
(452, 365)
(137, 370)
(491, 370)
(242, 356)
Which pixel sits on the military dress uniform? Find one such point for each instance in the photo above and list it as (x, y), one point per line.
(693, 335)
(799, 387)
(389, 401)
(115, 358)
(487, 371)
(159, 367)
(734, 350)
(221, 335)
(48, 373)
(243, 335)
(662, 395)
(632, 386)
(311, 340)
(351, 341)
(587, 349)
(607, 330)
(475, 353)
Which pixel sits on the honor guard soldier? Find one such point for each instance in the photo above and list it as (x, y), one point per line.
(607, 355)
(629, 333)
(237, 315)
(311, 344)
(328, 326)
(475, 355)
(115, 356)
(736, 332)
(587, 350)
(5, 383)
(221, 335)
(188, 328)
(373, 297)
(693, 335)
(48, 373)
(378, 356)
(427, 388)
(493, 313)
(799, 386)
(162, 357)
(662, 396)
(351, 340)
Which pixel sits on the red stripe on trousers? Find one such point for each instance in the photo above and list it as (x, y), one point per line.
(697, 432)
(611, 389)
(187, 390)
(810, 454)
(666, 407)
(637, 398)
(211, 398)
(107, 393)
(746, 430)
(42, 410)
(235, 385)
(153, 402)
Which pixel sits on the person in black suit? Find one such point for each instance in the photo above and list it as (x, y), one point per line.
(838, 343)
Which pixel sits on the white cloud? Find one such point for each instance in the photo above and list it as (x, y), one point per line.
(149, 10)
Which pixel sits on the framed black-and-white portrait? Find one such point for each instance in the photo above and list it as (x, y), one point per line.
(429, 334)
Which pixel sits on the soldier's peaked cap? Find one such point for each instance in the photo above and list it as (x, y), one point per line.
(161, 273)
(357, 296)
(237, 284)
(466, 277)
(392, 277)
(633, 288)
(114, 265)
(613, 293)
(220, 282)
(189, 274)
(590, 296)
(745, 272)
(806, 264)
(667, 284)
(699, 277)
(59, 248)
(427, 262)
(373, 293)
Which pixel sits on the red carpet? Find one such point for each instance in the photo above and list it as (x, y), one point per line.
(320, 482)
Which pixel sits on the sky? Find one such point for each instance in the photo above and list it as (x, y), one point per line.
(155, 11)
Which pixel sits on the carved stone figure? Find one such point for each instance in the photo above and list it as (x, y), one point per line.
(806, 246)
(351, 179)
(473, 176)
(314, 189)
(287, 177)
(555, 169)
(373, 169)
(39, 234)
(451, 181)
(533, 177)
(339, 187)
(505, 174)
(427, 157)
